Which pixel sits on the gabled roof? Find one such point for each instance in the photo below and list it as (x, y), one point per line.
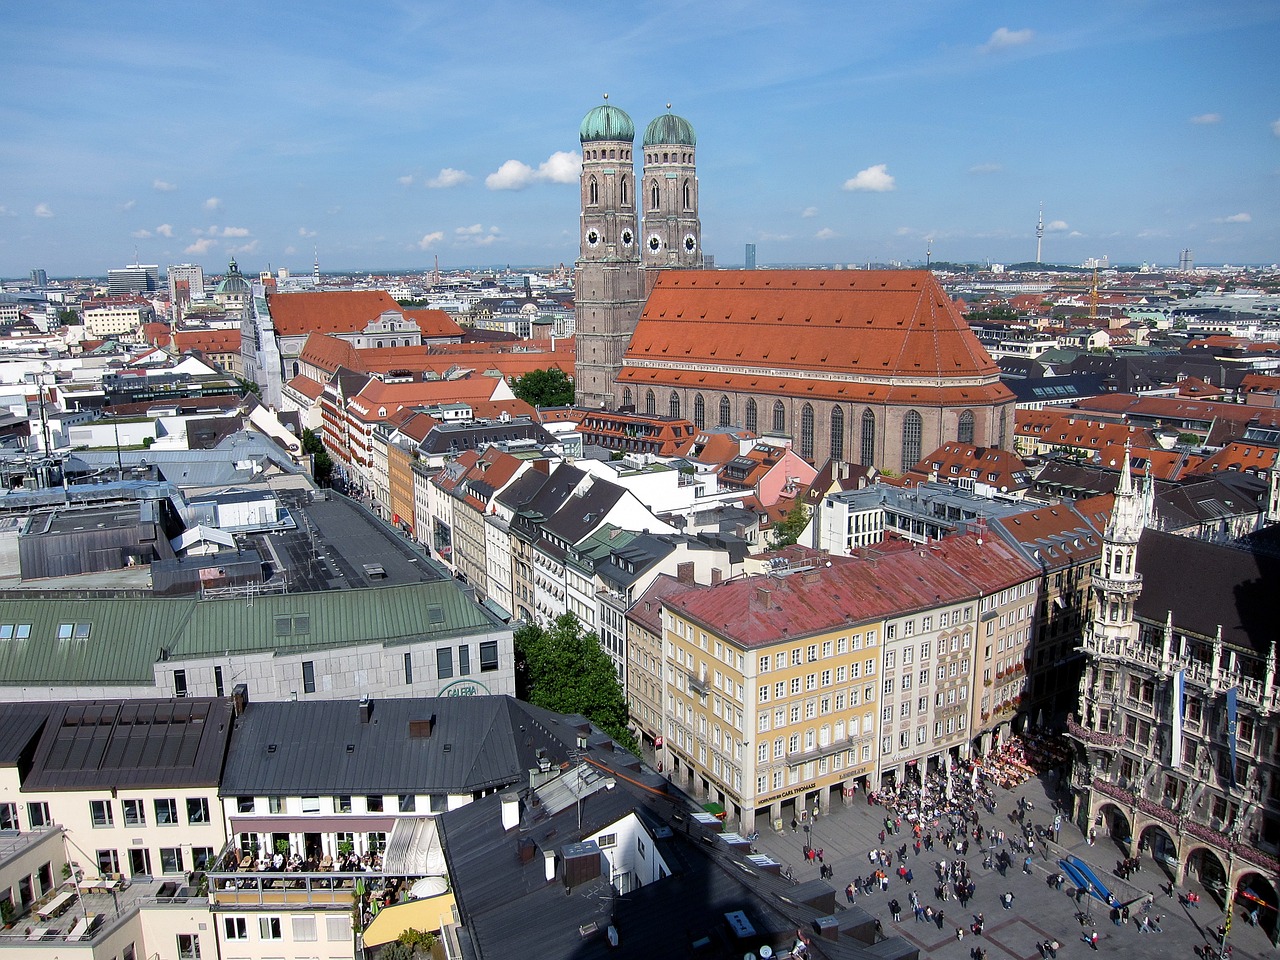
(832, 334)
(329, 311)
(954, 461)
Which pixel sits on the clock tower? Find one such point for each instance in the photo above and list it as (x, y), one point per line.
(608, 292)
(672, 232)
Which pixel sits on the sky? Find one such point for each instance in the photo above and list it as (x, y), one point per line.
(382, 135)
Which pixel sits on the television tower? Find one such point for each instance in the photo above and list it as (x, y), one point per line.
(1040, 232)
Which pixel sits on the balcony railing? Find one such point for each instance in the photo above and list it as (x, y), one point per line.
(1096, 737)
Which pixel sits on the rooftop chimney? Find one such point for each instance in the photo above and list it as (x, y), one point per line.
(239, 699)
(421, 729)
(684, 572)
(549, 861)
(510, 810)
(764, 596)
(366, 709)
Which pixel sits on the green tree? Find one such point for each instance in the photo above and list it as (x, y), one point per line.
(321, 462)
(68, 318)
(561, 668)
(787, 530)
(545, 388)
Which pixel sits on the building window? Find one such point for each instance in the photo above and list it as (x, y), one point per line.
(337, 929)
(699, 412)
(217, 682)
(308, 676)
(488, 656)
(650, 403)
(779, 417)
(167, 812)
(310, 804)
(444, 662)
(244, 804)
(235, 928)
(837, 433)
(304, 929)
(408, 802)
(464, 660)
(170, 859)
(197, 810)
(188, 946)
(108, 862)
(201, 858)
(373, 804)
(179, 683)
(806, 431)
(269, 928)
(752, 424)
(912, 435)
(9, 816)
(408, 669)
(135, 813)
(100, 813)
(38, 815)
(724, 411)
(626, 398)
(673, 405)
(964, 433)
(868, 452)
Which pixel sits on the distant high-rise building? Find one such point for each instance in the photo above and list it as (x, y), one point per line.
(39, 278)
(192, 273)
(135, 278)
(708, 262)
(1185, 262)
(750, 260)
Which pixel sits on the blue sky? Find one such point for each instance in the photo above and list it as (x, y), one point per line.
(384, 134)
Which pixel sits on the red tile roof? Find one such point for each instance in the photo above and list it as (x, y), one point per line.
(770, 609)
(347, 311)
(802, 327)
(1239, 455)
(207, 341)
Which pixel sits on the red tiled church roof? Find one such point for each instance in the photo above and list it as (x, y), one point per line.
(346, 311)
(811, 328)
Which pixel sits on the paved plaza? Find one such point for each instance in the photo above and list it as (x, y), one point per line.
(1038, 912)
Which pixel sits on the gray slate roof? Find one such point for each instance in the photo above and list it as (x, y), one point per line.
(323, 747)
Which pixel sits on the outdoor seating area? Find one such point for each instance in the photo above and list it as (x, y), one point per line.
(1022, 757)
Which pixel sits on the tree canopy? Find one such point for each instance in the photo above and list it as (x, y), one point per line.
(321, 462)
(561, 668)
(787, 530)
(545, 388)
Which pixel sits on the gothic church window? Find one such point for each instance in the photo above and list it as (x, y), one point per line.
(965, 432)
(624, 191)
(626, 396)
(779, 417)
(806, 432)
(912, 432)
(699, 412)
(752, 424)
(837, 433)
(653, 202)
(593, 191)
(687, 201)
(724, 411)
(868, 452)
(673, 405)
(650, 403)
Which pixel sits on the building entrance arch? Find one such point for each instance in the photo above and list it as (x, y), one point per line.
(1115, 823)
(1257, 903)
(1156, 841)
(1208, 868)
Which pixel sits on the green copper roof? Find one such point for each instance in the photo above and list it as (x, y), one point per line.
(669, 128)
(606, 122)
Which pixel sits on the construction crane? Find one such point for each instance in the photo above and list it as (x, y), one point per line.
(1093, 296)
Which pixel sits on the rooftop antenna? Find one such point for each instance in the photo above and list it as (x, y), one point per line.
(928, 253)
(1040, 232)
(315, 270)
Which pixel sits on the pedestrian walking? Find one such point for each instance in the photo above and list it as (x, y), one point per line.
(848, 893)
(959, 933)
(1007, 899)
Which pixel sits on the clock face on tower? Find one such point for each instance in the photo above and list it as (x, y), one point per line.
(690, 244)
(627, 238)
(655, 243)
(593, 237)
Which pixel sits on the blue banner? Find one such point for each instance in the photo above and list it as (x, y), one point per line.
(1179, 696)
(1231, 731)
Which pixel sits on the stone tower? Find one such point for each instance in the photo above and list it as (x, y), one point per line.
(672, 232)
(1117, 583)
(608, 289)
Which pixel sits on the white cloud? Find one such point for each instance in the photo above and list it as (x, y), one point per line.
(1237, 218)
(561, 167)
(164, 230)
(980, 168)
(128, 205)
(1275, 127)
(235, 231)
(874, 179)
(476, 235)
(304, 232)
(1004, 38)
(1207, 118)
(1074, 234)
(826, 233)
(250, 247)
(201, 246)
(429, 240)
(1056, 226)
(904, 231)
(808, 212)
(291, 249)
(141, 234)
(406, 180)
(448, 177)
(42, 210)
(163, 186)
(213, 203)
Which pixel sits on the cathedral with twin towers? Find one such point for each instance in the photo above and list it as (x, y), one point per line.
(876, 367)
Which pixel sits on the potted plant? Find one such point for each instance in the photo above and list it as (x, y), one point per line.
(7, 912)
(282, 847)
(346, 848)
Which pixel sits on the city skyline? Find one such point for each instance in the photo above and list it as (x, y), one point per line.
(411, 131)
